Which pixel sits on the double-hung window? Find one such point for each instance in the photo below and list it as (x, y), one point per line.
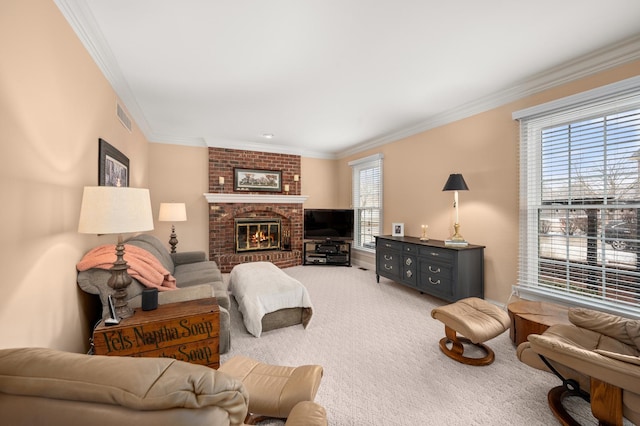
(580, 199)
(367, 200)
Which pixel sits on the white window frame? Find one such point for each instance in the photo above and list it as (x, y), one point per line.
(358, 166)
(593, 103)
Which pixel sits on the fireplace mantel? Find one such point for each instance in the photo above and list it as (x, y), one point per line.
(255, 198)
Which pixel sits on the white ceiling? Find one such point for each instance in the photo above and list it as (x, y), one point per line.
(332, 77)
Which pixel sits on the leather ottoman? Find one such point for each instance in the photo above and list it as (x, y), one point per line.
(274, 390)
(475, 319)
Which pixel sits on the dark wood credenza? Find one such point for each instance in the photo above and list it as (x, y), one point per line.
(449, 273)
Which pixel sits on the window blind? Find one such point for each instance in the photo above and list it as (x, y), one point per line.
(580, 198)
(367, 200)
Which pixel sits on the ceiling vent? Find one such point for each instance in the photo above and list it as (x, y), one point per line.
(123, 117)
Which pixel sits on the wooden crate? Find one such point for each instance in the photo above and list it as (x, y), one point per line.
(187, 331)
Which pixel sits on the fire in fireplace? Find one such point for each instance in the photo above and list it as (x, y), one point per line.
(257, 234)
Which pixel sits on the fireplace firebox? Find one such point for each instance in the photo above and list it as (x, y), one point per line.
(257, 234)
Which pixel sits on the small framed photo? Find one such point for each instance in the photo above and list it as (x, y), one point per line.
(257, 180)
(113, 166)
(397, 229)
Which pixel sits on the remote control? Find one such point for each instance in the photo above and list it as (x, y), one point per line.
(111, 321)
(112, 311)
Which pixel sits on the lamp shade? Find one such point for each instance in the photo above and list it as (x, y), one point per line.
(455, 183)
(115, 210)
(172, 212)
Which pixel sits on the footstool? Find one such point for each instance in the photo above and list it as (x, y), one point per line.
(268, 298)
(307, 413)
(274, 390)
(475, 319)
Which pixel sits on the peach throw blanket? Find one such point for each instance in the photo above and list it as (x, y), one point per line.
(143, 266)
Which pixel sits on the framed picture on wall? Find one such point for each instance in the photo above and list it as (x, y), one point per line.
(257, 180)
(113, 166)
(397, 229)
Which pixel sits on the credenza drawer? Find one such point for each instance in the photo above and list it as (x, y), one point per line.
(389, 263)
(408, 248)
(437, 278)
(441, 255)
(388, 245)
(437, 270)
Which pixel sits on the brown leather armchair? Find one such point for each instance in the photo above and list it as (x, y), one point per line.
(597, 357)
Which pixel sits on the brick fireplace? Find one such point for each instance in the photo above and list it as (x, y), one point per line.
(226, 207)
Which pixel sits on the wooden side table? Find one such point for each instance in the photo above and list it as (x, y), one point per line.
(530, 317)
(187, 331)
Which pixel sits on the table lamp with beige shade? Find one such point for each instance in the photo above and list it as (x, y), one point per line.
(172, 212)
(116, 210)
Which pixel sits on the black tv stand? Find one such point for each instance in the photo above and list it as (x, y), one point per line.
(327, 252)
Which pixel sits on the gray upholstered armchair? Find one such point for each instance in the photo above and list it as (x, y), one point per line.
(597, 357)
(196, 278)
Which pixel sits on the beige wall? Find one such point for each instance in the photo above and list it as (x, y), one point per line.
(54, 105)
(484, 148)
(179, 174)
(319, 180)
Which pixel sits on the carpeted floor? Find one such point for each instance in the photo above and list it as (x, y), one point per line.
(382, 366)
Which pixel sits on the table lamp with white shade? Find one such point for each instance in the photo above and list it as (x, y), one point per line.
(116, 210)
(172, 212)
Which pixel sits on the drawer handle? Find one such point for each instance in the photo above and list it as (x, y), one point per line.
(408, 262)
(433, 253)
(388, 245)
(435, 271)
(388, 268)
(387, 257)
(409, 274)
(433, 282)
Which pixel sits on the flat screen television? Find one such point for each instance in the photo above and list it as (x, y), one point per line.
(328, 224)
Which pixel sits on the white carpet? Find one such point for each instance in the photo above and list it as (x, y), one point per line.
(382, 365)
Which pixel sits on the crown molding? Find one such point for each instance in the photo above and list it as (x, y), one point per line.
(269, 147)
(601, 92)
(80, 18)
(620, 53)
(173, 140)
(239, 145)
(255, 198)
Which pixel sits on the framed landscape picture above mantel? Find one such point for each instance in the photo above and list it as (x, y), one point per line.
(257, 180)
(113, 166)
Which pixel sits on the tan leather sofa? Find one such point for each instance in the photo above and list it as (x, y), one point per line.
(598, 354)
(46, 386)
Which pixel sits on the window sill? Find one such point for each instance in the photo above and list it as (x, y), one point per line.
(572, 300)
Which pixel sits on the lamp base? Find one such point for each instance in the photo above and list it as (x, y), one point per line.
(173, 239)
(456, 240)
(119, 282)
